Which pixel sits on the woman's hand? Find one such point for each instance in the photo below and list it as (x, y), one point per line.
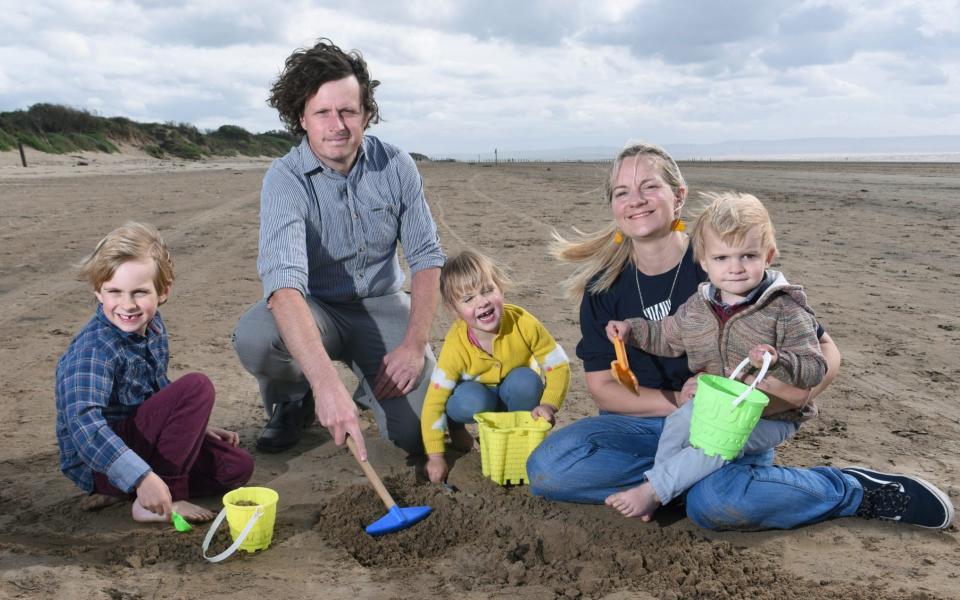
(437, 468)
(618, 329)
(229, 437)
(544, 411)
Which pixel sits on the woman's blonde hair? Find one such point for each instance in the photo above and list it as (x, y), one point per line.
(599, 257)
(731, 215)
(133, 241)
(467, 271)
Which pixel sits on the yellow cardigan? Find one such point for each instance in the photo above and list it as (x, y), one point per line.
(521, 338)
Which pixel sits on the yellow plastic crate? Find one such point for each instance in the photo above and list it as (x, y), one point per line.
(506, 441)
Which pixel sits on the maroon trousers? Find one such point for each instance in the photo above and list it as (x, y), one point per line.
(168, 431)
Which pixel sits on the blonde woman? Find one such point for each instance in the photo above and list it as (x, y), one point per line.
(641, 265)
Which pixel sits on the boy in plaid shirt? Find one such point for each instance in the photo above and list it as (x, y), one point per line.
(123, 429)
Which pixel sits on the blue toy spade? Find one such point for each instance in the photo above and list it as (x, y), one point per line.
(396, 518)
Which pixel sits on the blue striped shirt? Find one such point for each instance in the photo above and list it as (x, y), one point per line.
(335, 237)
(104, 375)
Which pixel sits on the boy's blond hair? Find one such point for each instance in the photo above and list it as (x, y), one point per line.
(133, 241)
(469, 271)
(731, 215)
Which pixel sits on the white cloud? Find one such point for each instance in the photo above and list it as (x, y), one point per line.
(467, 76)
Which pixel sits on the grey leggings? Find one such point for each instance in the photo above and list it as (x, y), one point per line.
(358, 333)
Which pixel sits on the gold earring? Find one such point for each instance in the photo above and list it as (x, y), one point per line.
(617, 237)
(678, 225)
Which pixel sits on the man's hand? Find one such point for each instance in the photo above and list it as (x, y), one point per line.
(437, 468)
(399, 371)
(154, 495)
(338, 413)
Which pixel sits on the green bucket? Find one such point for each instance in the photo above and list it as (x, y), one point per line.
(725, 411)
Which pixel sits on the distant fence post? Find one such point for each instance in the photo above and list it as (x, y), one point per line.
(23, 157)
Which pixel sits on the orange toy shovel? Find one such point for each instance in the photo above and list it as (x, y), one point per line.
(621, 368)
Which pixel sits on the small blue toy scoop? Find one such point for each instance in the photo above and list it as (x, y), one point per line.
(396, 518)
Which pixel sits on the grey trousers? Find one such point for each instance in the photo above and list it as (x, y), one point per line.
(357, 333)
(678, 465)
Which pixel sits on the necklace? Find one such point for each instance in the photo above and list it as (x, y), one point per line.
(658, 311)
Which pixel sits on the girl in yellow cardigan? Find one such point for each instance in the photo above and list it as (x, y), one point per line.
(496, 357)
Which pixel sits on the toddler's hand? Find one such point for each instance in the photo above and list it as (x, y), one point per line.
(437, 468)
(544, 411)
(688, 391)
(756, 355)
(618, 329)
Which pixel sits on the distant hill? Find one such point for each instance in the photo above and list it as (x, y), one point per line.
(60, 129)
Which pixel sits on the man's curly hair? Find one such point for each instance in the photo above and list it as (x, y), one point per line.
(307, 69)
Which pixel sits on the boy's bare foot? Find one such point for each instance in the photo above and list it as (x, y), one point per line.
(640, 501)
(461, 440)
(98, 501)
(190, 512)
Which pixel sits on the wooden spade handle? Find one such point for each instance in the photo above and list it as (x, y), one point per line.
(372, 476)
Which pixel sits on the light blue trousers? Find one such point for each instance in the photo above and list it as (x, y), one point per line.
(521, 389)
(594, 457)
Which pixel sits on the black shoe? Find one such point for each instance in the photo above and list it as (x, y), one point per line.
(285, 427)
(904, 498)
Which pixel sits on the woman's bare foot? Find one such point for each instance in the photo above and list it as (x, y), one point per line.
(461, 440)
(98, 501)
(187, 510)
(640, 501)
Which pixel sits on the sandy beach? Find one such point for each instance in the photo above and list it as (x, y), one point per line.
(875, 245)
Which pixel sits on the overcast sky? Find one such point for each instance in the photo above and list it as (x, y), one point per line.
(461, 76)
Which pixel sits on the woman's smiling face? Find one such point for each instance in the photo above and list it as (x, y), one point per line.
(642, 201)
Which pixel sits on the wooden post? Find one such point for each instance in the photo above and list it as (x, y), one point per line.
(23, 157)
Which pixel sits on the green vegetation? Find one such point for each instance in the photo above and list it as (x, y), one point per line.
(60, 129)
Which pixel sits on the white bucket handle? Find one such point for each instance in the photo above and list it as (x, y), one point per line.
(236, 544)
(767, 359)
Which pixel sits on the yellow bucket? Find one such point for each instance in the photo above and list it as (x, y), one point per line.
(238, 515)
(506, 441)
(250, 513)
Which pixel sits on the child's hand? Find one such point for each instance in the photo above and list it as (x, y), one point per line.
(756, 355)
(154, 495)
(437, 468)
(230, 437)
(618, 329)
(688, 391)
(544, 411)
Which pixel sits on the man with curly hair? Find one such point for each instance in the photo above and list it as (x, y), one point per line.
(332, 212)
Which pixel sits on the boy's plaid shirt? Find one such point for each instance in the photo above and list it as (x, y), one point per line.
(103, 377)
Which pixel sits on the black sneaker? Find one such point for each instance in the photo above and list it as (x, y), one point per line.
(904, 498)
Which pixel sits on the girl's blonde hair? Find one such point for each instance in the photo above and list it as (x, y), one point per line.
(133, 241)
(467, 271)
(731, 215)
(599, 257)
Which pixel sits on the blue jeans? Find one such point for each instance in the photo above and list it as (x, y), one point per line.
(597, 456)
(520, 390)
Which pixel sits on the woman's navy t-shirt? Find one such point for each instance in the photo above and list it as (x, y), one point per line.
(622, 301)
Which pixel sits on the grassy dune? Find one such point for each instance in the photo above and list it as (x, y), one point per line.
(58, 129)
